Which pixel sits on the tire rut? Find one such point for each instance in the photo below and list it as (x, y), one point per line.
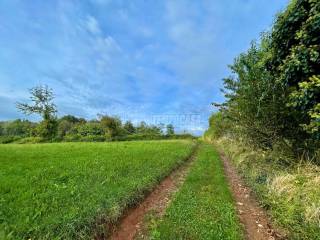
(131, 224)
(253, 217)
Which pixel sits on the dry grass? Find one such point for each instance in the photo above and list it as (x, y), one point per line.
(283, 186)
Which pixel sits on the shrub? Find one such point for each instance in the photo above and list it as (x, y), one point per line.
(92, 138)
(273, 94)
(47, 129)
(29, 140)
(8, 139)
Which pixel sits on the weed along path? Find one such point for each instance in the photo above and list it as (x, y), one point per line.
(254, 219)
(131, 224)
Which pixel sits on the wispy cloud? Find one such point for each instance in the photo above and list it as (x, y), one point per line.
(92, 25)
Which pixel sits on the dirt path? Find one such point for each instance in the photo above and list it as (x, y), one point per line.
(254, 219)
(157, 201)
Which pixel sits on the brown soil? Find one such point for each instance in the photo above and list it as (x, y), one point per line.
(254, 219)
(156, 202)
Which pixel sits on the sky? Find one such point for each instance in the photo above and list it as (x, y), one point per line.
(152, 60)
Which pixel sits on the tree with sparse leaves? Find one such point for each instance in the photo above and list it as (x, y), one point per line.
(42, 104)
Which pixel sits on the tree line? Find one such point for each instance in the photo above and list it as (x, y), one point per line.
(273, 94)
(71, 128)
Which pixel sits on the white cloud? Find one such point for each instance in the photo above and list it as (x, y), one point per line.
(92, 25)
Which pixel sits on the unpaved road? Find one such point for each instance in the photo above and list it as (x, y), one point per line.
(256, 224)
(157, 201)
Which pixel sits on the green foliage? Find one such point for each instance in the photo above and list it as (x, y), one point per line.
(78, 188)
(203, 208)
(64, 127)
(305, 98)
(111, 125)
(219, 126)
(23, 128)
(273, 95)
(72, 119)
(129, 128)
(88, 128)
(29, 140)
(42, 97)
(72, 129)
(295, 63)
(47, 128)
(8, 139)
(170, 129)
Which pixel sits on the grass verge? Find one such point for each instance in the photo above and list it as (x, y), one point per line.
(203, 208)
(67, 190)
(289, 191)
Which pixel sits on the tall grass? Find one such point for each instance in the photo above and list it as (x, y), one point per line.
(290, 192)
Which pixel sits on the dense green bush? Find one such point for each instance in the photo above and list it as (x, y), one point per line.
(47, 128)
(273, 94)
(219, 126)
(17, 127)
(30, 140)
(92, 138)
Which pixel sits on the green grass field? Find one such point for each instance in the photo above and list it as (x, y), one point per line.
(65, 190)
(203, 208)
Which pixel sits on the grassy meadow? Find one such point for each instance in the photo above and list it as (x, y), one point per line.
(69, 190)
(203, 208)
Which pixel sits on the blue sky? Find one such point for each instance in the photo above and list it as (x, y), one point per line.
(152, 60)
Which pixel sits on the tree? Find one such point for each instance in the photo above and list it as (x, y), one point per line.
(142, 127)
(295, 63)
(112, 125)
(64, 127)
(72, 119)
(1, 129)
(42, 97)
(273, 96)
(170, 129)
(19, 127)
(128, 126)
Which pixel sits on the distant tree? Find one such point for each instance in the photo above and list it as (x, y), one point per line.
(1, 129)
(154, 130)
(128, 126)
(170, 129)
(18, 128)
(92, 128)
(162, 127)
(72, 119)
(68, 124)
(64, 127)
(112, 125)
(42, 97)
(142, 127)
